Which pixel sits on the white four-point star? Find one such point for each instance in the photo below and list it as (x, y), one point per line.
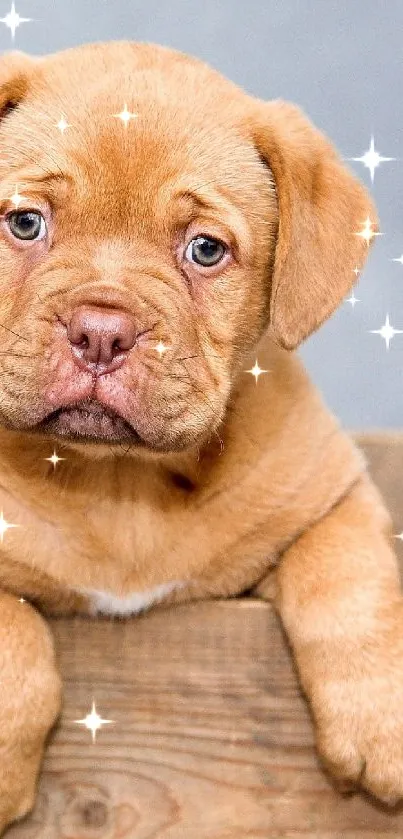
(13, 20)
(356, 271)
(399, 535)
(371, 159)
(54, 458)
(4, 526)
(398, 259)
(62, 124)
(366, 233)
(93, 722)
(256, 371)
(353, 300)
(387, 332)
(125, 115)
(161, 348)
(16, 198)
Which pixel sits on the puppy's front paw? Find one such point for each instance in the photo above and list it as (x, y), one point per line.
(17, 801)
(360, 726)
(21, 749)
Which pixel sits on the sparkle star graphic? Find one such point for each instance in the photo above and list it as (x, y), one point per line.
(399, 536)
(13, 20)
(353, 300)
(55, 459)
(398, 259)
(256, 371)
(62, 124)
(371, 159)
(356, 271)
(4, 526)
(93, 722)
(16, 198)
(387, 332)
(367, 234)
(125, 115)
(161, 348)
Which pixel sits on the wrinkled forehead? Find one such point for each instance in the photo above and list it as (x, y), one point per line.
(134, 140)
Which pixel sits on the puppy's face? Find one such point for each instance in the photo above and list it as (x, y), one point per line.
(145, 247)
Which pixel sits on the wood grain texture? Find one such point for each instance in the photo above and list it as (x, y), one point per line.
(211, 738)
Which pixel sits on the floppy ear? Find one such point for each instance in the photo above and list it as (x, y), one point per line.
(322, 208)
(16, 69)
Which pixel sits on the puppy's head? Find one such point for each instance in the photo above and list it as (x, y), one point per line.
(154, 221)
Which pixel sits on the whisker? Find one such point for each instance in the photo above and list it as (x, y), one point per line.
(125, 450)
(221, 441)
(197, 355)
(18, 355)
(30, 159)
(222, 181)
(14, 333)
(198, 413)
(199, 391)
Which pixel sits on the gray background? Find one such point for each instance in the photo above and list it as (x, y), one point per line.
(341, 62)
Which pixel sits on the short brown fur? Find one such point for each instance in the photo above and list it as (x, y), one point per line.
(242, 475)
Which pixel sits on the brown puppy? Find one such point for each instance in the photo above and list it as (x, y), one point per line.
(147, 261)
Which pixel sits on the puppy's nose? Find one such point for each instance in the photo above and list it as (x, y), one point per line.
(100, 338)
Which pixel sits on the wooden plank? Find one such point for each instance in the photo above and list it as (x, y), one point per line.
(211, 738)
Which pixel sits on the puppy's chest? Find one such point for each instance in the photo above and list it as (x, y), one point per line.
(131, 562)
(133, 569)
(136, 562)
(107, 558)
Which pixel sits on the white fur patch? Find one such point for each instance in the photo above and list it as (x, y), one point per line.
(106, 603)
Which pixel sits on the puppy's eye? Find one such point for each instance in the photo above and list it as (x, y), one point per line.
(205, 251)
(26, 224)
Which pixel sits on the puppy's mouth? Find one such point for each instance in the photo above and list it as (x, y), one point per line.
(89, 420)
